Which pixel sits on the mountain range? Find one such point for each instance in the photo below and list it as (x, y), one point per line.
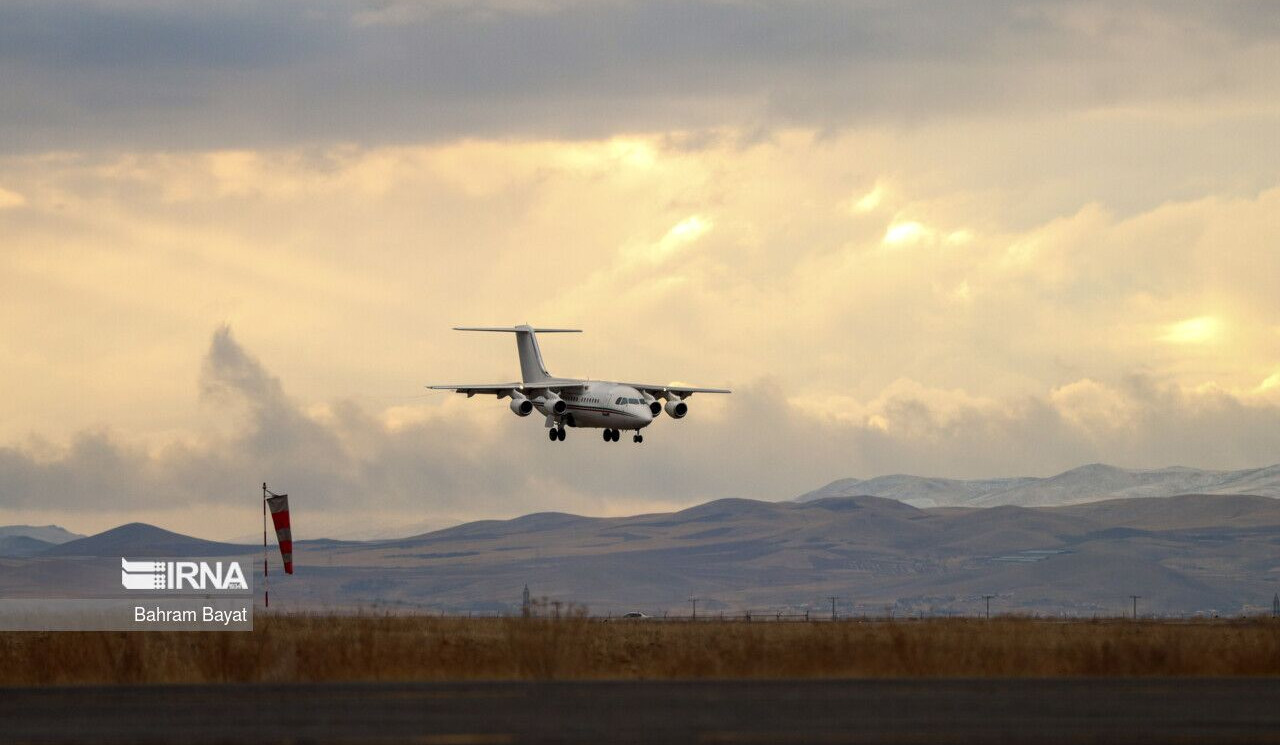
(1186, 554)
(1089, 483)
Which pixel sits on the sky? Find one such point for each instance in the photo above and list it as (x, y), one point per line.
(963, 239)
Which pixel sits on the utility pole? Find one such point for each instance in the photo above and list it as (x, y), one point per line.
(1135, 605)
(1275, 606)
(695, 607)
(833, 600)
(988, 599)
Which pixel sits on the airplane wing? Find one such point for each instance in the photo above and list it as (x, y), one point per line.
(502, 390)
(497, 389)
(683, 391)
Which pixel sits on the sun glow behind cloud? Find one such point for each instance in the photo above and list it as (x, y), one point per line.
(906, 233)
(682, 234)
(1198, 330)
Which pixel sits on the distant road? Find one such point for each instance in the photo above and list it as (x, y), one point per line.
(838, 711)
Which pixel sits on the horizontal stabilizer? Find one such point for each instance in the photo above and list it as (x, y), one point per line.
(516, 329)
(532, 368)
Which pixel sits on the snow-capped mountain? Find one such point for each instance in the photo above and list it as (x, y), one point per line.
(1084, 484)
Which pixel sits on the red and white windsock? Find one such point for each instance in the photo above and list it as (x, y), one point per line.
(279, 506)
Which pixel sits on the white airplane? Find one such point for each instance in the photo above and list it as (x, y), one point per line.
(569, 402)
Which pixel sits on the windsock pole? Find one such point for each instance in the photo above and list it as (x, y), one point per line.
(266, 592)
(278, 506)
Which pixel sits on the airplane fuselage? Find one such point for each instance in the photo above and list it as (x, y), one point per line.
(605, 405)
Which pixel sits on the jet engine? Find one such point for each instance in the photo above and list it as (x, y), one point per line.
(520, 405)
(550, 403)
(675, 408)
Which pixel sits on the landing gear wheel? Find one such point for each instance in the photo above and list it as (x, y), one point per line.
(608, 435)
(637, 437)
(560, 434)
(551, 433)
(616, 435)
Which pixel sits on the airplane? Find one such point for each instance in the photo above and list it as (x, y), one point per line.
(571, 402)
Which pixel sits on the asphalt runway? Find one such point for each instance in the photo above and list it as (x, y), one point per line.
(1166, 710)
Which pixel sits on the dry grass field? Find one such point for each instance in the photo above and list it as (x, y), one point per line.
(362, 648)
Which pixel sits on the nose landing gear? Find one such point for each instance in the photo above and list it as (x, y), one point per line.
(638, 438)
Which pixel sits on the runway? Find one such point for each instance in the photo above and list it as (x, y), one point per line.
(1200, 710)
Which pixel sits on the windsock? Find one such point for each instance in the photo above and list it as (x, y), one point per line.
(279, 507)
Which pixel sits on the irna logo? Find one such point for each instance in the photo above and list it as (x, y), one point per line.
(181, 575)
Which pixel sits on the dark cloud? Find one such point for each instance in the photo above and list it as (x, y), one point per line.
(76, 74)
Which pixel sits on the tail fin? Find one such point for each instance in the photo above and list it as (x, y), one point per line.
(532, 368)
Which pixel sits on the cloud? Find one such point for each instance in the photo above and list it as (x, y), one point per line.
(80, 74)
(346, 267)
(1024, 329)
(341, 459)
(971, 238)
(351, 467)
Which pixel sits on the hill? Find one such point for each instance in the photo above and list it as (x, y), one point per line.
(142, 540)
(15, 546)
(1181, 512)
(47, 533)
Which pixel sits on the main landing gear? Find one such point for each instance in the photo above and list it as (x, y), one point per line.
(613, 435)
(556, 433)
